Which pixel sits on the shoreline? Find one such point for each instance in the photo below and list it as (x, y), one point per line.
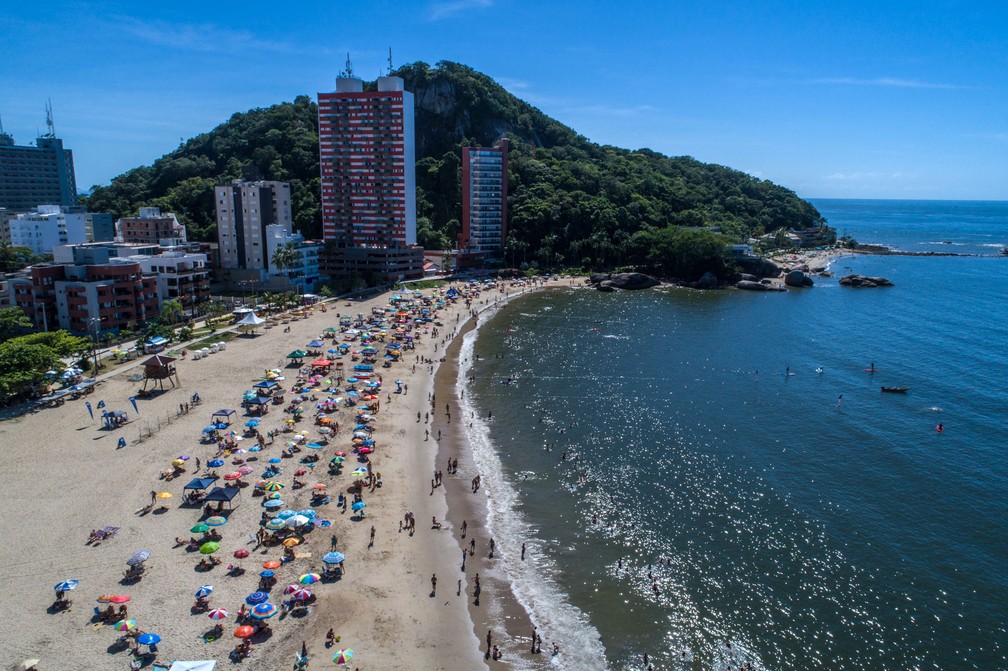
(497, 609)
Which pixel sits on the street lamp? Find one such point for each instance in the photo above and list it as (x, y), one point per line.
(96, 322)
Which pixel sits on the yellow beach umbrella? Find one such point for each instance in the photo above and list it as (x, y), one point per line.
(165, 495)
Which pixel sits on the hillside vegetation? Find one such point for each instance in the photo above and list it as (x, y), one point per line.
(572, 202)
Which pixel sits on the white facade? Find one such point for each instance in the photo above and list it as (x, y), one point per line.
(47, 227)
(244, 211)
(180, 275)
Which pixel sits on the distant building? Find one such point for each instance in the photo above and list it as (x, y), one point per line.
(151, 227)
(102, 226)
(86, 299)
(368, 167)
(39, 175)
(47, 227)
(304, 273)
(484, 199)
(244, 211)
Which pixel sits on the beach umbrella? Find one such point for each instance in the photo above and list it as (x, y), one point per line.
(148, 639)
(284, 514)
(308, 512)
(291, 542)
(359, 505)
(360, 472)
(310, 579)
(290, 589)
(266, 574)
(343, 657)
(215, 463)
(209, 548)
(241, 553)
(333, 558)
(302, 595)
(178, 462)
(337, 460)
(263, 611)
(273, 460)
(244, 631)
(138, 558)
(124, 625)
(319, 487)
(276, 524)
(204, 591)
(272, 563)
(256, 598)
(301, 471)
(314, 446)
(254, 448)
(216, 521)
(66, 586)
(217, 614)
(118, 598)
(273, 486)
(244, 470)
(297, 521)
(165, 495)
(252, 422)
(234, 475)
(274, 503)
(199, 529)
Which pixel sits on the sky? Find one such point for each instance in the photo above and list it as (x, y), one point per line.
(844, 99)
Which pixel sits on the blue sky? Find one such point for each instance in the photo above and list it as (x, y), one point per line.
(841, 99)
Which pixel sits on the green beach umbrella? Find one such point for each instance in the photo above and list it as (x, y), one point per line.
(209, 548)
(200, 529)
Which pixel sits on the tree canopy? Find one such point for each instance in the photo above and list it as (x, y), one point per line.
(571, 201)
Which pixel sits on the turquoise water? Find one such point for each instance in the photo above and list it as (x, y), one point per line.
(791, 522)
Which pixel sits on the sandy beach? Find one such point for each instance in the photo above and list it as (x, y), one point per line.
(64, 477)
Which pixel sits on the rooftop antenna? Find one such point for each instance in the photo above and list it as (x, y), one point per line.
(348, 71)
(1, 125)
(49, 119)
(390, 60)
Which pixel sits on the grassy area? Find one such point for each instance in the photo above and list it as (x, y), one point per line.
(217, 337)
(425, 284)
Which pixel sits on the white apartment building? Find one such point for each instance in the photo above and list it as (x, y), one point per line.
(244, 211)
(47, 227)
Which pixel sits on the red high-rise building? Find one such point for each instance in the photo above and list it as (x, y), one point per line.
(368, 165)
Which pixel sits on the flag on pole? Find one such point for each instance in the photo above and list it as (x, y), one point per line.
(135, 408)
(89, 410)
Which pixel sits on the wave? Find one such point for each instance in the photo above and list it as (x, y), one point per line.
(531, 580)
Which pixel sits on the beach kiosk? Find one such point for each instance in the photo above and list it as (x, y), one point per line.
(155, 344)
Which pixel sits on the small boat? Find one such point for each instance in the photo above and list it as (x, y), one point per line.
(896, 390)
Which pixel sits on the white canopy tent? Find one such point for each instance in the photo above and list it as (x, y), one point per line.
(203, 665)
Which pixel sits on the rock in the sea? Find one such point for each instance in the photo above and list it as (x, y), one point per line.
(708, 281)
(627, 281)
(759, 267)
(749, 285)
(747, 277)
(797, 278)
(863, 282)
(598, 277)
(605, 285)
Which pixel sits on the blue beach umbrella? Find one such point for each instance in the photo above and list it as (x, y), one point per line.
(263, 610)
(314, 446)
(333, 558)
(275, 460)
(204, 591)
(360, 505)
(66, 586)
(256, 598)
(284, 514)
(148, 639)
(266, 574)
(276, 524)
(255, 448)
(252, 422)
(275, 503)
(215, 463)
(308, 512)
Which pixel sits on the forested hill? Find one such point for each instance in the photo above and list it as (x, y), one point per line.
(570, 199)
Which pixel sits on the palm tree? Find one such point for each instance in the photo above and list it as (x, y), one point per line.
(285, 257)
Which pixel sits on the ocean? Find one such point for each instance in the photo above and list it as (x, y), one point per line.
(689, 485)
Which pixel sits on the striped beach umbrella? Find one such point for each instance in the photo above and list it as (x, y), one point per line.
(276, 524)
(217, 614)
(204, 591)
(216, 521)
(263, 611)
(343, 657)
(66, 586)
(124, 625)
(310, 579)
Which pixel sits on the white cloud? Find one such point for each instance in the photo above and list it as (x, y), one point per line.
(448, 8)
(890, 82)
(205, 37)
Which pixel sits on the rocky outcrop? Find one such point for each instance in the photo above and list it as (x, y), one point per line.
(626, 281)
(749, 285)
(863, 282)
(708, 281)
(759, 267)
(797, 278)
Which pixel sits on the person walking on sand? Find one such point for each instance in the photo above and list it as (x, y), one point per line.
(433, 584)
(489, 640)
(464, 527)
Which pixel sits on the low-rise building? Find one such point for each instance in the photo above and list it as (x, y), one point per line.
(151, 227)
(303, 272)
(47, 227)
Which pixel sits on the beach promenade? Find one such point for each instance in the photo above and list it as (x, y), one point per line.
(64, 476)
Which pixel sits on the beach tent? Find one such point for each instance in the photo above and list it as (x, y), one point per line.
(268, 385)
(321, 363)
(199, 483)
(202, 665)
(224, 494)
(251, 319)
(259, 400)
(223, 416)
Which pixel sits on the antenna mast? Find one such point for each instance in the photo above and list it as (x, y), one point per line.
(348, 70)
(49, 119)
(390, 60)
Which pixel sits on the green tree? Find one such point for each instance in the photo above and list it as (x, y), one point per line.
(172, 311)
(12, 322)
(23, 364)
